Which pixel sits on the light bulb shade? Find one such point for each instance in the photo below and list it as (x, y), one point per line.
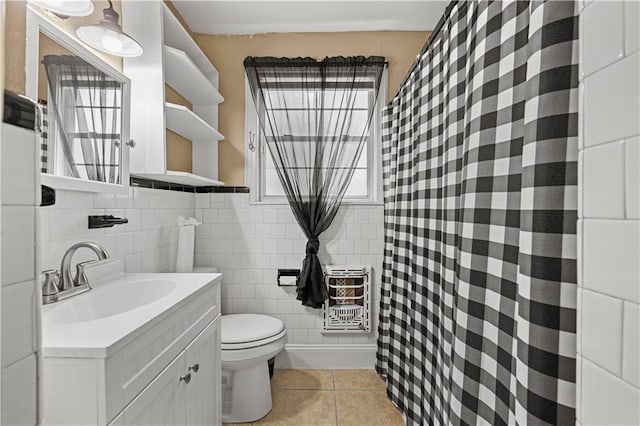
(66, 7)
(107, 35)
(109, 39)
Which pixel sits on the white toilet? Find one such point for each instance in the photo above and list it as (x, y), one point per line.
(248, 342)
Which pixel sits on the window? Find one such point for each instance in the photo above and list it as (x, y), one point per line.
(366, 182)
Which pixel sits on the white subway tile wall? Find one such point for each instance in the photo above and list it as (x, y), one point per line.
(19, 400)
(632, 177)
(248, 243)
(632, 26)
(603, 181)
(610, 105)
(601, 49)
(148, 243)
(609, 230)
(631, 344)
(606, 400)
(602, 322)
(18, 276)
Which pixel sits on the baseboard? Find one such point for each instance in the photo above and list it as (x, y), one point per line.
(327, 357)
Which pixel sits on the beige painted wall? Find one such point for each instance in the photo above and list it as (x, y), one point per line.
(179, 155)
(14, 56)
(228, 52)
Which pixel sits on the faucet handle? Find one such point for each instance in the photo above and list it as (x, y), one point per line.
(81, 276)
(51, 283)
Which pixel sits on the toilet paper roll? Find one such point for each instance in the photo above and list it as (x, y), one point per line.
(186, 241)
(288, 281)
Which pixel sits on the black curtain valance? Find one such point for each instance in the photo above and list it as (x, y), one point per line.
(327, 62)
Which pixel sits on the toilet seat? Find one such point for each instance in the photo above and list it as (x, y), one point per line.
(245, 331)
(254, 343)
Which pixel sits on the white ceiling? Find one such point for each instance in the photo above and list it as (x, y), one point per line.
(255, 17)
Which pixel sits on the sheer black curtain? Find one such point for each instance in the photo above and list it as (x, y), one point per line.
(315, 117)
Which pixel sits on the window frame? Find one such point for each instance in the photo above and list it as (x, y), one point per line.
(254, 170)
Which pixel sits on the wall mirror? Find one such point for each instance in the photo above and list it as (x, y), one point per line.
(85, 111)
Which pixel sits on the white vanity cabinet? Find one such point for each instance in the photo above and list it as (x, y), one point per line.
(186, 392)
(126, 369)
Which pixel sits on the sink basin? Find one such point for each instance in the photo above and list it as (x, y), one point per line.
(110, 300)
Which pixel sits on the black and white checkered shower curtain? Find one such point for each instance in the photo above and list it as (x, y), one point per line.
(478, 321)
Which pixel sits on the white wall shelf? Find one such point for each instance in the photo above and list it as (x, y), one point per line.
(176, 36)
(184, 76)
(180, 178)
(184, 122)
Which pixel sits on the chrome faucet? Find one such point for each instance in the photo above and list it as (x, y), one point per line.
(61, 286)
(67, 281)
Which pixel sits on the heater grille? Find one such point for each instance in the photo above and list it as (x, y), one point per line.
(347, 309)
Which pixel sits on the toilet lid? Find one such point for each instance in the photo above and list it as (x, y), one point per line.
(244, 328)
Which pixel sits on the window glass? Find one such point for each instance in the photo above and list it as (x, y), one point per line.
(299, 117)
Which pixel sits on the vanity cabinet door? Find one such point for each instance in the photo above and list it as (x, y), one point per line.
(162, 403)
(204, 391)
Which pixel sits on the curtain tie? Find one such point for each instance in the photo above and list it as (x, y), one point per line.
(313, 244)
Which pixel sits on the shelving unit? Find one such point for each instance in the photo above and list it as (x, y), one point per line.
(184, 122)
(173, 58)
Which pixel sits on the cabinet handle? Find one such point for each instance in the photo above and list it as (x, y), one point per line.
(186, 378)
(131, 143)
(194, 368)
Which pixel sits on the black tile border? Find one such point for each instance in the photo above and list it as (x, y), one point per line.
(231, 189)
(156, 184)
(204, 189)
(48, 195)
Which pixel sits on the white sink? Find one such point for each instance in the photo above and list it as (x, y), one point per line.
(110, 300)
(117, 310)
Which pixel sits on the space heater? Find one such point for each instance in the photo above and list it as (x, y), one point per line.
(348, 307)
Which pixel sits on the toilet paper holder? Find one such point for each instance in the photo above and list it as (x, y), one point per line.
(283, 281)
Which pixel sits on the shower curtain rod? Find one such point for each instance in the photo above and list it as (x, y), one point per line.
(426, 46)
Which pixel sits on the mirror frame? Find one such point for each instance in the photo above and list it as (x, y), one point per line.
(37, 24)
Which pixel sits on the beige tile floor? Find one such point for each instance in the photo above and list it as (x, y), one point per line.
(330, 397)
